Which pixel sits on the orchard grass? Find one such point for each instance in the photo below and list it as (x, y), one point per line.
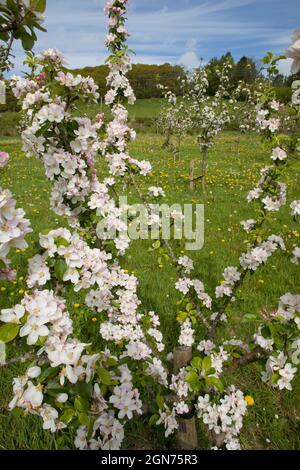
(142, 115)
(273, 422)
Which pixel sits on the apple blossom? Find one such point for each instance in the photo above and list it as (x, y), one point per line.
(4, 157)
(13, 225)
(293, 51)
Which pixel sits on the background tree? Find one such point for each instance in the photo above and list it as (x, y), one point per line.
(18, 21)
(245, 70)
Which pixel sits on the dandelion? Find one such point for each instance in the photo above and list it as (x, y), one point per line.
(250, 400)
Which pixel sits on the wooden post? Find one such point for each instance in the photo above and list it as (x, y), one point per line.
(192, 171)
(218, 439)
(182, 356)
(187, 433)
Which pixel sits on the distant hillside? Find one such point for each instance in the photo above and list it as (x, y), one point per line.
(144, 78)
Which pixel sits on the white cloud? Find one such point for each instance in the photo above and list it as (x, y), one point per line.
(162, 30)
(284, 66)
(189, 60)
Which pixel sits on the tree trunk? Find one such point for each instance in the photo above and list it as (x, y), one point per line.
(166, 142)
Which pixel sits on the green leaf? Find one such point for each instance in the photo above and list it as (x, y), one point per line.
(111, 362)
(51, 262)
(215, 382)
(197, 362)
(39, 27)
(9, 332)
(45, 231)
(60, 268)
(4, 36)
(48, 373)
(160, 401)
(83, 419)
(275, 378)
(60, 241)
(206, 364)
(85, 390)
(11, 4)
(192, 379)
(104, 376)
(38, 5)
(182, 316)
(81, 405)
(153, 420)
(54, 388)
(27, 41)
(67, 416)
(266, 333)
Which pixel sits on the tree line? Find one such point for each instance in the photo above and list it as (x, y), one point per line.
(145, 78)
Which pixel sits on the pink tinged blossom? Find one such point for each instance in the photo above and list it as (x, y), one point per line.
(293, 52)
(279, 154)
(4, 157)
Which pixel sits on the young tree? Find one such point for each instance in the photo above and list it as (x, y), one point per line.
(174, 120)
(209, 114)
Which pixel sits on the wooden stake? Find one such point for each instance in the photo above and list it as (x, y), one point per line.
(182, 356)
(187, 438)
(187, 433)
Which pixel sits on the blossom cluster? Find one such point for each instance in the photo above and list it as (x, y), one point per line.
(283, 359)
(43, 315)
(69, 156)
(226, 417)
(231, 276)
(267, 119)
(13, 225)
(276, 198)
(119, 89)
(4, 157)
(110, 289)
(71, 168)
(258, 255)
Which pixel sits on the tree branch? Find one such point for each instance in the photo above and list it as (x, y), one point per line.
(18, 360)
(250, 358)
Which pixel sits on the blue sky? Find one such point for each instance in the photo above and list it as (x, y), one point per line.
(175, 31)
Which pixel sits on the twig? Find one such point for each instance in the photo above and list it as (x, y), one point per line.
(19, 360)
(250, 358)
(9, 46)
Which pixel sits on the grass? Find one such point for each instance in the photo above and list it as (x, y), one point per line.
(142, 115)
(274, 421)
